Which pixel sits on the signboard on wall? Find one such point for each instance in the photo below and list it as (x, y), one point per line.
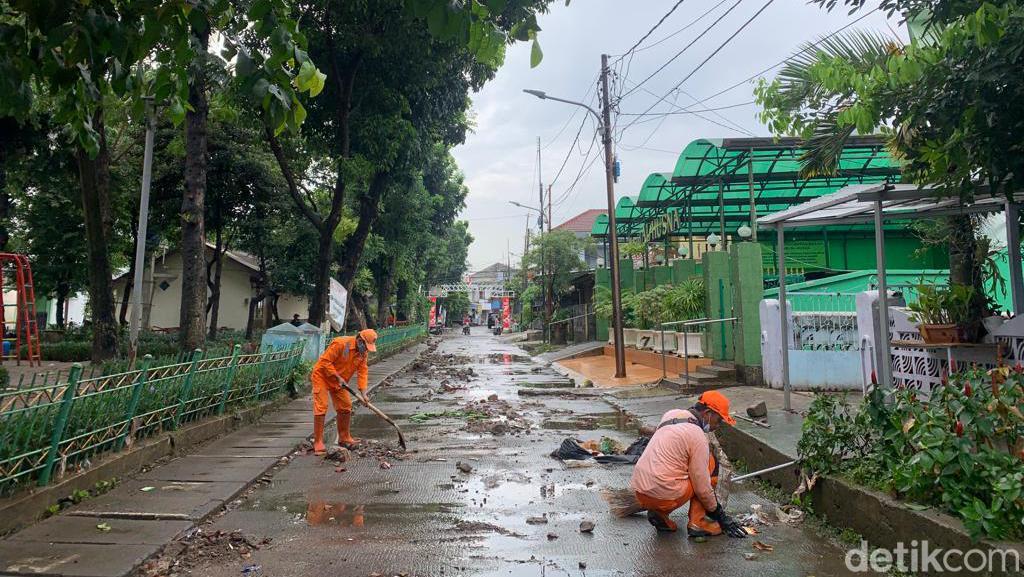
(337, 305)
(800, 255)
(433, 311)
(506, 313)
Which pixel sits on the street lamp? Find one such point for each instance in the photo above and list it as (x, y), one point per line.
(540, 218)
(713, 240)
(744, 232)
(604, 121)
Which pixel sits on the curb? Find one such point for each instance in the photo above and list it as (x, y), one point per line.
(882, 520)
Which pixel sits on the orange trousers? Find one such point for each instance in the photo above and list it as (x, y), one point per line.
(697, 510)
(324, 388)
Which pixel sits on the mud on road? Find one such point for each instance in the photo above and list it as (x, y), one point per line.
(476, 494)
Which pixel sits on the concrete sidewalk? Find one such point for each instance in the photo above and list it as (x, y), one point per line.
(109, 536)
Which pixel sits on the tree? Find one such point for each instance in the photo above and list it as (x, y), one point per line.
(387, 74)
(943, 100)
(49, 223)
(79, 54)
(457, 304)
(559, 253)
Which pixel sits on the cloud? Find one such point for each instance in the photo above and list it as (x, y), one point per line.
(499, 158)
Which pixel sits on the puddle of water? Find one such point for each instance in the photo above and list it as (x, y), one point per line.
(320, 511)
(617, 421)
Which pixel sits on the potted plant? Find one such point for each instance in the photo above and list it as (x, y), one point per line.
(943, 313)
(603, 311)
(650, 308)
(686, 302)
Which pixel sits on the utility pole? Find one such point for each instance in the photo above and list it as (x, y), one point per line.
(613, 231)
(543, 255)
(550, 288)
(605, 120)
(140, 245)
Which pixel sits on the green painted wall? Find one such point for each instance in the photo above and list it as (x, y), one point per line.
(850, 252)
(718, 298)
(748, 288)
(683, 269)
(662, 275)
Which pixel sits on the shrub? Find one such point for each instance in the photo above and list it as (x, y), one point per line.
(5, 378)
(962, 450)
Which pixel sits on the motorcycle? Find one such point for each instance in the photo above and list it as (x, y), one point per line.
(465, 329)
(436, 329)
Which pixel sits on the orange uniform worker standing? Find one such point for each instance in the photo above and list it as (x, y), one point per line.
(344, 357)
(677, 468)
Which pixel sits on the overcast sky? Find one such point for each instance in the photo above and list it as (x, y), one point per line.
(499, 158)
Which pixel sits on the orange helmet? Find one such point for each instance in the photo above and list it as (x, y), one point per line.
(718, 403)
(369, 337)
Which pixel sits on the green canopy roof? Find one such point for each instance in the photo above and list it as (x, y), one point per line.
(716, 178)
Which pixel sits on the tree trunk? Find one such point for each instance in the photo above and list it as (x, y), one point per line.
(402, 294)
(192, 324)
(218, 263)
(62, 297)
(250, 324)
(352, 250)
(385, 288)
(965, 263)
(5, 207)
(94, 178)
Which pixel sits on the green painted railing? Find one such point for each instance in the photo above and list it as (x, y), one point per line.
(56, 427)
(389, 340)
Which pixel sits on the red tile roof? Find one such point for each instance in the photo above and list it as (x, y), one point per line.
(583, 221)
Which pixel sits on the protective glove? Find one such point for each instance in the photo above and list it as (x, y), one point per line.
(729, 526)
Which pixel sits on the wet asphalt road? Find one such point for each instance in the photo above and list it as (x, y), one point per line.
(422, 516)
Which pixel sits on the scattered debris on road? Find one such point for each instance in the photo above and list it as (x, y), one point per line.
(587, 527)
(464, 467)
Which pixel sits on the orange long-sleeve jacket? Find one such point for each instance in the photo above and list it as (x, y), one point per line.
(342, 357)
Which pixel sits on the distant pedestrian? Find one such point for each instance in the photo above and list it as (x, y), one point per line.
(295, 321)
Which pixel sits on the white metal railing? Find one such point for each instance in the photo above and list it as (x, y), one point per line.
(686, 353)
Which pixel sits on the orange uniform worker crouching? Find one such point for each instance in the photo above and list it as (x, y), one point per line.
(344, 358)
(677, 468)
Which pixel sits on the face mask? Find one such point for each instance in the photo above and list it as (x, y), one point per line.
(706, 427)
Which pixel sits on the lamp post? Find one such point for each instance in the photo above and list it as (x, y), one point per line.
(540, 223)
(604, 121)
(744, 232)
(713, 241)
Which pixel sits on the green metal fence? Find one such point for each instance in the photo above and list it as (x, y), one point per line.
(389, 340)
(57, 426)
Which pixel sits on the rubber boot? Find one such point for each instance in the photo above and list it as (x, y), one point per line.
(661, 521)
(345, 438)
(318, 435)
(699, 525)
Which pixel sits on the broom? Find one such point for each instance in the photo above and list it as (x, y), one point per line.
(621, 502)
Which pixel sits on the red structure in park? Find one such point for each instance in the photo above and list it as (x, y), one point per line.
(23, 343)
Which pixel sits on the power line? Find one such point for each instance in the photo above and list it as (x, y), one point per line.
(569, 152)
(649, 32)
(579, 177)
(587, 97)
(640, 120)
(684, 28)
(579, 174)
(688, 111)
(706, 60)
(784, 60)
(684, 49)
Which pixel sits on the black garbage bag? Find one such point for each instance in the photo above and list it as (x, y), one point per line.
(638, 446)
(570, 450)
